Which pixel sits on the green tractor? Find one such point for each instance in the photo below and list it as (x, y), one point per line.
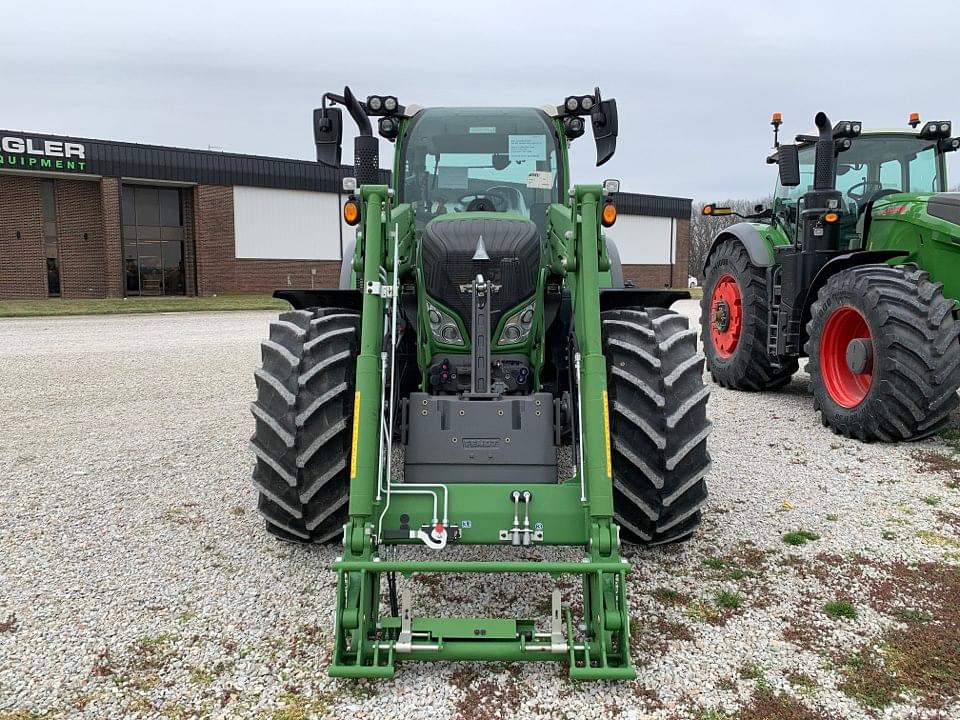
(481, 328)
(857, 266)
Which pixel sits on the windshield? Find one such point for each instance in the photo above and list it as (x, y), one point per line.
(499, 159)
(872, 164)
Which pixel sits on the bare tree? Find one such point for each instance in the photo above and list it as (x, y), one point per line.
(703, 229)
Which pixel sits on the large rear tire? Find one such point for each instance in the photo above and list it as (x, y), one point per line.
(658, 424)
(884, 353)
(303, 412)
(734, 314)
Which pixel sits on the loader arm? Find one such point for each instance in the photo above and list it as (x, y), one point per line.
(368, 645)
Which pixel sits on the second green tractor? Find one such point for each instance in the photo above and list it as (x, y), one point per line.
(857, 266)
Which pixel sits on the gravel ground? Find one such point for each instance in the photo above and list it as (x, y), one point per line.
(136, 580)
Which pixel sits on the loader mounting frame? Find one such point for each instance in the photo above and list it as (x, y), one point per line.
(368, 644)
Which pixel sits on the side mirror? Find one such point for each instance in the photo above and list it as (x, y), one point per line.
(328, 135)
(788, 161)
(604, 120)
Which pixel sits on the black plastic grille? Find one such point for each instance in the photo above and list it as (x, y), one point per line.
(513, 246)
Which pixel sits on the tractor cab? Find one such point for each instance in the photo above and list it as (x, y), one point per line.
(877, 164)
(468, 160)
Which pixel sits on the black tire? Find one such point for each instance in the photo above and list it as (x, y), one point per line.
(749, 366)
(304, 420)
(916, 353)
(658, 424)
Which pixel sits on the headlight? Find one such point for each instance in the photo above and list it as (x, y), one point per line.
(516, 329)
(443, 326)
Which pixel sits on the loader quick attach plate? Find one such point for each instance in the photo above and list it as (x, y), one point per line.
(454, 440)
(367, 645)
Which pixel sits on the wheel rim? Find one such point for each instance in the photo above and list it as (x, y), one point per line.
(726, 316)
(846, 388)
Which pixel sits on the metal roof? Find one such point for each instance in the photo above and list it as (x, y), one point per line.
(209, 167)
(652, 205)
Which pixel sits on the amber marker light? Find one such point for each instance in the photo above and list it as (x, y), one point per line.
(609, 215)
(351, 212)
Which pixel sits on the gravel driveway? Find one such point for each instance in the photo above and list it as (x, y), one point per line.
(136, 580)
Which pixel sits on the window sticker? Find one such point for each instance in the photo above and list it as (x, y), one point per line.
(452, 178)
(528, 147)
(540, 180)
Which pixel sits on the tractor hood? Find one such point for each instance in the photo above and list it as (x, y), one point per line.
(910, 206)
(945, 206)
(505, 249)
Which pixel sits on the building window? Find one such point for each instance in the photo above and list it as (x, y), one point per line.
(48, 208)
(153, 240)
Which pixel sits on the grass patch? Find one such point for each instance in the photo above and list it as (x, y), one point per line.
(928, 537)
(125, 306)
(951, 436)
(800, 537)
(296, 707)
(768, 705)
(931, 500)
(715, 563)
(800, 680)
(832, 517)
(714, 714)
(669, 597)
(750, 671)
(201, 676)
(729, 600)
(921, 659)
(939, 464)
(699, 611)
(838, 609)
(912, 615)
(738, 573)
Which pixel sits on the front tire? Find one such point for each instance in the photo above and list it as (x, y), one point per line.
(734, 314)
(658, 424)
(303, 411)
(884, 353)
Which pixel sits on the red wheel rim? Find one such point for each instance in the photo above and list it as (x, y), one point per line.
(845, 387)
(726, 316)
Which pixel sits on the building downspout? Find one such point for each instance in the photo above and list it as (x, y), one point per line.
(673, 260)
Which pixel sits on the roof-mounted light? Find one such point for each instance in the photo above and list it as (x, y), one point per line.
(847, 129)
(936, 130)
(383, 105)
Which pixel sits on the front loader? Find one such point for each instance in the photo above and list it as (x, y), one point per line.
(857, 266)
(477, 337)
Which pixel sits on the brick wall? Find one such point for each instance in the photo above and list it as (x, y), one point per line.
(219, 271)
(80, 237)
(658, 276)
(189, 241)
(213, 229)
(114, 280)
(93, 266)
(23, 271)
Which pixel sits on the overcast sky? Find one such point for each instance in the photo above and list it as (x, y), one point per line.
(695, 82)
